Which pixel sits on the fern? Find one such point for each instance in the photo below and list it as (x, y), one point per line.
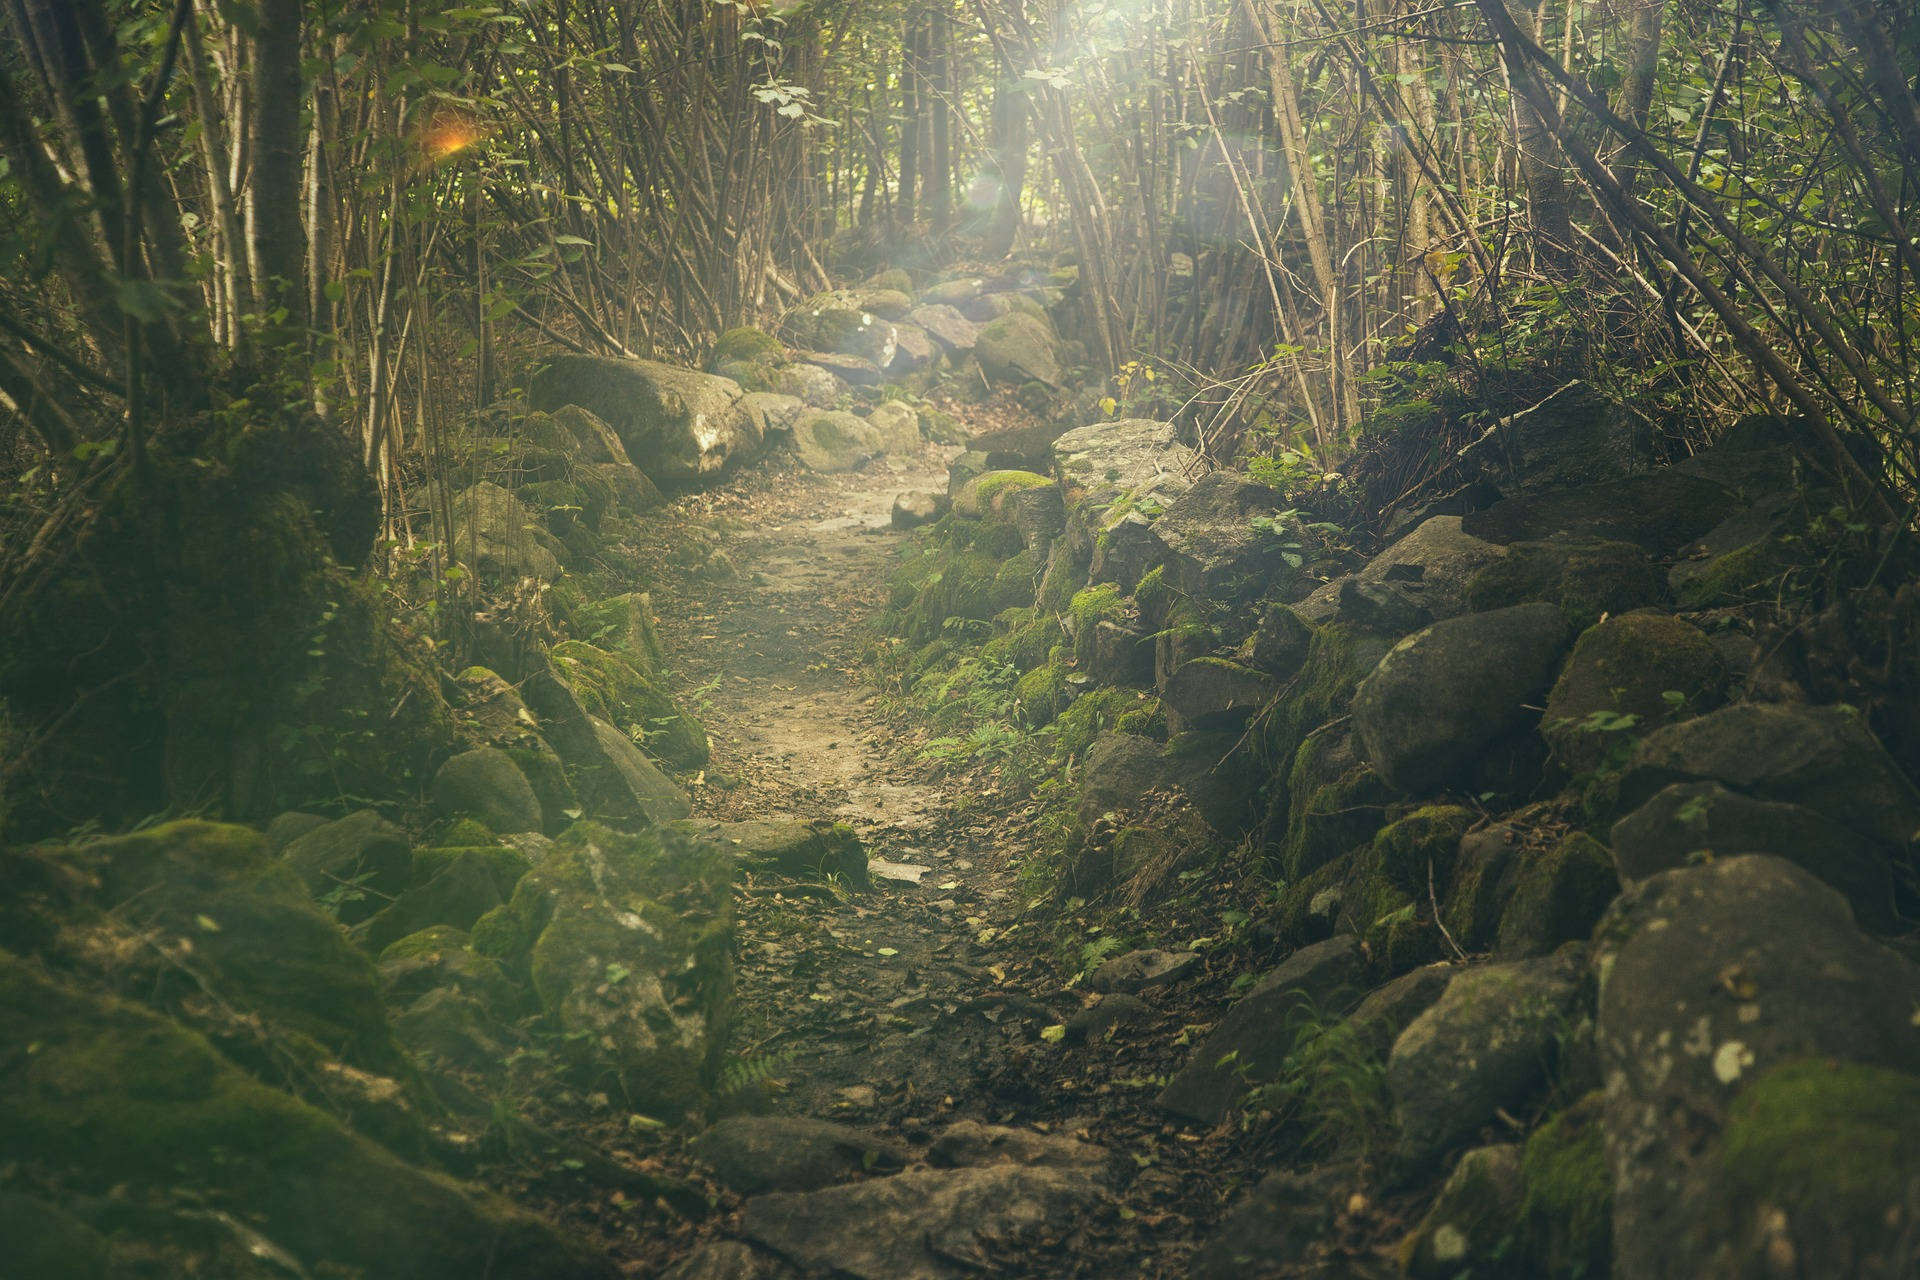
(745, 1072)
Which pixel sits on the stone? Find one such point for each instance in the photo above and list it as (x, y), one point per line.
(837, 324)
(1741, 557)
(914, 349)
(436, 959)
(772, 413)
(612, 687)
(593, 440)
(501, 538)
(1212, 551)
(1122, 768)
(655, 795)
(361, 849)
(951, 293)
(680, 426)
(261, 949)
(1377, 1021)
(1589, 578)
(1017, 349)
(1433, 566)
(1483, 879)
(1097, 463)
(1557, 897)
(990, 495)
(627, 940)
(968, 1144)
(1383, 607)
(752, 1155)
(1658, 511)
(1642, 668)
(1713, 979)
(946, 326)
(811, 385)
(486, 784)
(1484, 1046)
(835, 441)
(992, 305)
(1120, 655)
(1215, 693)
(1690, 819)
(1103, 1019)
(1822, 758)
(1444, 694)
(165, 1115)
(43, 1240)
(819, 849)
(851, 370)
(461, 890)
(965, 467)
(1474, 1221)
(1252, 1042)
(1137, 971)
(1576, 436)
(926, 1224)
(489, 712)
(290, 826)
(1280, 642)
(916, 507)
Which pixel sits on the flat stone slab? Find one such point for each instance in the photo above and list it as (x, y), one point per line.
(1138, 970)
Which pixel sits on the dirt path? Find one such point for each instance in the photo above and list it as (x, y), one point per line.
(910, 1008)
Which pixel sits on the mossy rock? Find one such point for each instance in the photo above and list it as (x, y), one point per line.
(1331, 803)
(1566, 1217)
(986, 497)
(1149, 721)
(461, 833)
(894, 280)
(1417, 851)
(1026, 640)
(623, 624)
(613, 689)
(1014, 582)
(439, 959)
(260, 945)
(1102, 602)
(749, 345)
(43, 1240)
(1557, 897)
(503, 866)
(1092, 714)
(1470, 1229)
(627, 941)
(1588, 578)
(115, 1096)
(1483, 877)
(1820, 1161)
(959, 583)
(1637, 671)
(1043, 693)
(1339, 657)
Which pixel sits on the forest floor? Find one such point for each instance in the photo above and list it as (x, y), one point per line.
(932, 996)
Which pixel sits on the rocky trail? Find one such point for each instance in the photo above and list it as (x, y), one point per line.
(884, 1033)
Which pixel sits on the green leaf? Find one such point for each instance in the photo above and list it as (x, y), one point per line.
(1055, 1033)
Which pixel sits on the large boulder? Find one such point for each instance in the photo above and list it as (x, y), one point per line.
(679, 425)
(1211, 546)
(811, 385)
(1252, 1042)
(1017, 348)
(1658, 511)
(1589, 578)
(612, 777)
(752, 1155)
(1215, 693)
(1631, 673)
(1444, 694)
(914, 349)
(1687, 820)
(486, 784)
(1431, 567)
(946, 326)
(1823, 758)
(839, 324)
(835, 441)
(788, 847)
(1099, 462)
(496, 534)
(628, 942)
(1575, 436)
(341, 861)
(1724, 991)
(116, 1102)
(612, 687)
(1485, 1045)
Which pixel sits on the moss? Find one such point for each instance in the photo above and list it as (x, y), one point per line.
(1339, 657)
(1309, 905)
(1043, 693)
(1735, 577)
(1422, 845)
(998, 482)
(1066, 569)
(463, 833)
(1567, 1215)
(1558, 897)
(612, 688)
(1334, 817)
(1102, 602)
(114, 1096)
(1093, 714)
(1154, 598)
(623, 624)
(749, 346)
(269, 951)
(440, 937)
(1026, 643)
(504, 866)
(1013, 583)
(1650, 666)
(1149, 721)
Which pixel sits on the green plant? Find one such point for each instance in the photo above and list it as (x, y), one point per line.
(1333, 1085)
